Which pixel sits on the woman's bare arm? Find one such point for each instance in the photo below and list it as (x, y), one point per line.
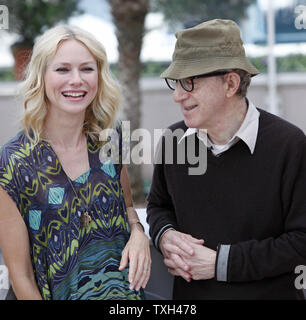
(14, 243)
(137, 250)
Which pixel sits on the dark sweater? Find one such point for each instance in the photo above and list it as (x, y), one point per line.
(256, 203)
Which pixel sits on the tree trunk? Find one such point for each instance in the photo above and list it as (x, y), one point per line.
(128, 17)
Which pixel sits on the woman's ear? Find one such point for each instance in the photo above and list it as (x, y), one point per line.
(232, 80)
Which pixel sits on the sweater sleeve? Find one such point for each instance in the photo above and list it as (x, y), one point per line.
(258, 259)
(160, 210)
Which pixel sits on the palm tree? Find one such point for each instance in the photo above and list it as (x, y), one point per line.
(129, 17)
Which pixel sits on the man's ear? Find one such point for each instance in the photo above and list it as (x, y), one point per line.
(232, 80)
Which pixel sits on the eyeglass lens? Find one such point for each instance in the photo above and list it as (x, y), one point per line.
(186, 83)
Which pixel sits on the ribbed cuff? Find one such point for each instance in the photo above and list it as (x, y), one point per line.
(160, 233)
(222, 262)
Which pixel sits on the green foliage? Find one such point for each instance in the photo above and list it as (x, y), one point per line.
(260, 63)
(153, 68)
(29, 18)
(192, 12)
(6, 74)
(290, 63)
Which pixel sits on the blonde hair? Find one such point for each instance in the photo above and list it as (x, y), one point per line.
(102, 111)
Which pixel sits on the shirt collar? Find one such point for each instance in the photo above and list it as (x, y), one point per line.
(247, 132)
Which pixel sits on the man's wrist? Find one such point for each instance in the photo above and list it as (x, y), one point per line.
(213, 261)
(222, 262)
(160, 234)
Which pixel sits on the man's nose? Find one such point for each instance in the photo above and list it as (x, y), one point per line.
(180, 94)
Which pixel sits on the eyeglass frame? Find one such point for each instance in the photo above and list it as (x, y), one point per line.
(206, 75)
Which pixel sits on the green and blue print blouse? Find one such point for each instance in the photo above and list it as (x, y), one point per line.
(70, 261)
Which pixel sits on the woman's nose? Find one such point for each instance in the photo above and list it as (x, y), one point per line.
(76, 78)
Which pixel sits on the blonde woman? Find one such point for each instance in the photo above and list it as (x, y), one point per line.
(68, 229)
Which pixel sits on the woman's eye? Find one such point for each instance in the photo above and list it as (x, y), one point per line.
(62, 69)
(87, 69)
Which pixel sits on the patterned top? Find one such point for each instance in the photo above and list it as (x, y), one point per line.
(70, 261)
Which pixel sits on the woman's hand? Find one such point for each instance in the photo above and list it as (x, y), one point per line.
(137, 254)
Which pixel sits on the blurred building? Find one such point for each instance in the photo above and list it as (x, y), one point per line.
(254, 28)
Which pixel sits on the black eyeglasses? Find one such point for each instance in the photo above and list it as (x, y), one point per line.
(187, 83)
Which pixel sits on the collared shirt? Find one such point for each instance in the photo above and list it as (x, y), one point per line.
(248, 134)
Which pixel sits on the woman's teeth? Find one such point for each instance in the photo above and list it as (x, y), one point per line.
(74, 94)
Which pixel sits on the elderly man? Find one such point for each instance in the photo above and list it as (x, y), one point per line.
(238, 230)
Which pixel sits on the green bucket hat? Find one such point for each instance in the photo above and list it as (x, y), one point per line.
(210, 46)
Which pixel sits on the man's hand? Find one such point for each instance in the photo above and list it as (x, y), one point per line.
(175, 246)
(202, 263)
(173, 262)
(199, 266)
(173, 241)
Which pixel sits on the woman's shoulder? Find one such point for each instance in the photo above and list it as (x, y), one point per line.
(16, 147)
(14, 158)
